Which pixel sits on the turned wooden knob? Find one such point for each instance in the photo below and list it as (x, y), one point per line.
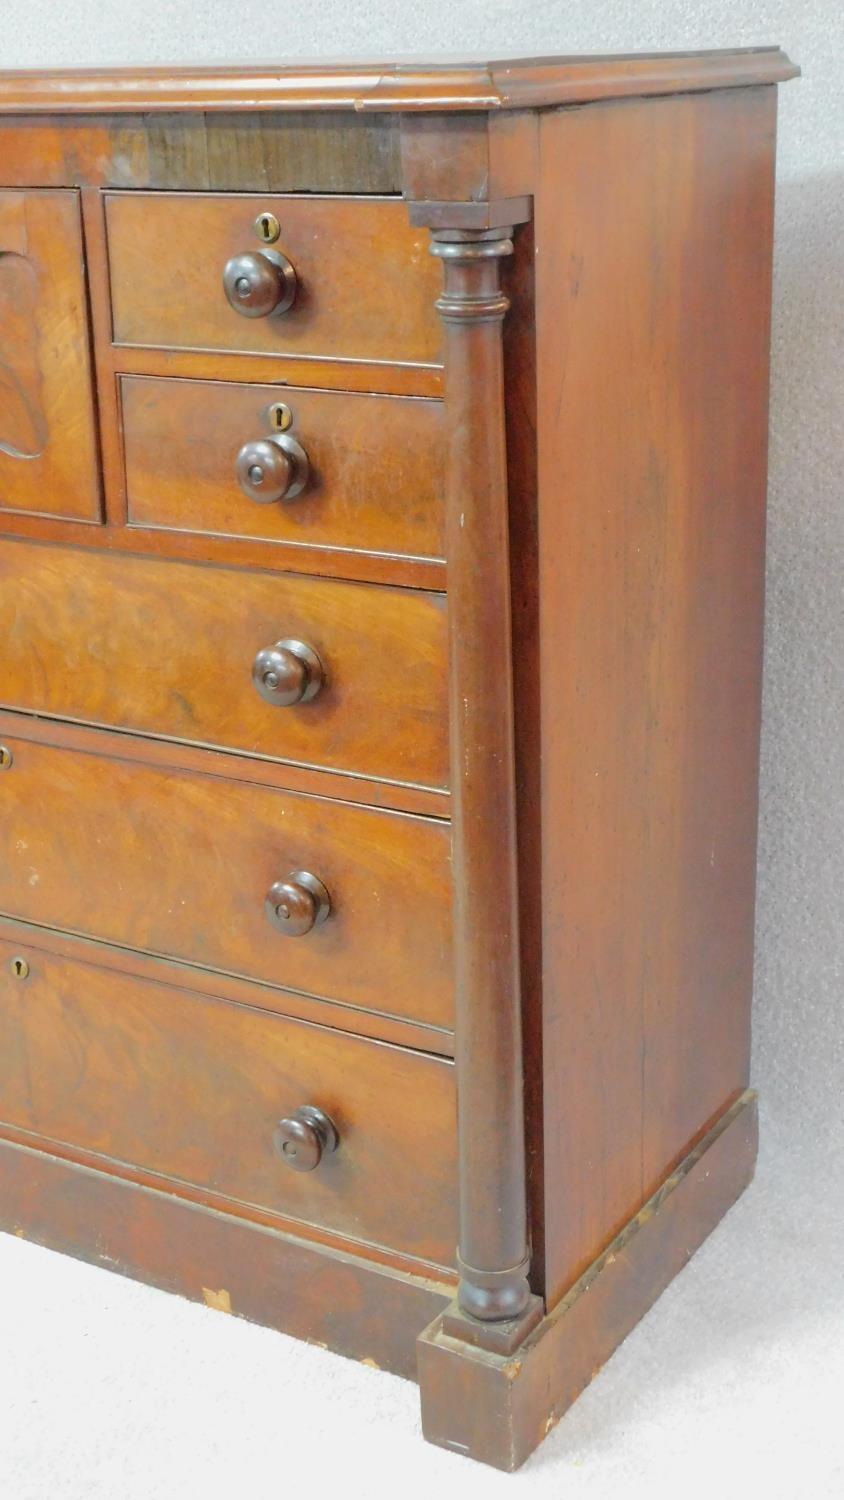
(272, 468)
(305, 1137)
(297, 904)
(260, 283)
(288, 672)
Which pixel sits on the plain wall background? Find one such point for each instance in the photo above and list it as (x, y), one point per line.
(112, 1389)
(799, 1036)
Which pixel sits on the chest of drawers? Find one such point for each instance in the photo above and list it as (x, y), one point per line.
(379, 694)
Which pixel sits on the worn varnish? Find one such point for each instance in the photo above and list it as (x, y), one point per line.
(379, 693)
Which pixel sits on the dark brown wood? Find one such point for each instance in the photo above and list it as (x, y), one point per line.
(168, 649)
(493, 1255)
(48, 456)
(192, 1088)
(260, 152)
(651, 567)
(366, 1311)
(352, 256)
(498, 1408)
(185, 873)
(297, 904)
(305, 1138)
(260, 284)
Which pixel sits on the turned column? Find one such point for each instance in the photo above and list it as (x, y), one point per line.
(495, 1306)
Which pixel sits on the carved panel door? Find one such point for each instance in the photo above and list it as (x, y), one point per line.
(48, 451)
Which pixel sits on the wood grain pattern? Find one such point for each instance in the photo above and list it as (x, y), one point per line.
(166, 648)
(652, 396)
(376, 465)
(400, 1030)
(258, 152)
(318, 783)
(353, 258)
(48, 458)
(179, 864)
(192, 1088)
(352, 1304)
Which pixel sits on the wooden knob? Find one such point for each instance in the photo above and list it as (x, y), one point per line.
(305, 1137)
(288, 672)
(260, 283)
(296, 905)
(272, 468)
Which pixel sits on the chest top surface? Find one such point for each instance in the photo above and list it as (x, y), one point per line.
(437, 84)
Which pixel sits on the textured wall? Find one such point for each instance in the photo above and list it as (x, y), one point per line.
(799, 1036)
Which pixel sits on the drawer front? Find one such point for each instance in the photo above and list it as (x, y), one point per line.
(180, 864)
(193, 1088)
(354, 258)
(375, 464)
(48, 454)
(168, 648)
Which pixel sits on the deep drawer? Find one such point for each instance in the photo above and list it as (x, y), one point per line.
(375, 464)
(193, 1088)
(181, 864)
(366, 283)
(168, 648)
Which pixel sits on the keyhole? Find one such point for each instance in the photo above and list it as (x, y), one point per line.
(20, 968)
(267, 228)
(279, 416)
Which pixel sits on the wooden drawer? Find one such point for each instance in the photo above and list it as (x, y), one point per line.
(167, 648)
(48, 452)
(192, 1088)
(375, 480)
(179, 864)
(354, 258)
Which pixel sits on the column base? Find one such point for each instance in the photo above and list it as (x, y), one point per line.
(498, 1406)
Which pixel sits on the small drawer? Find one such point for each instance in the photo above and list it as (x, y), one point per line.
(365, 284)
(358, 472)
(195, 1089)
(180, 650)
(189, 866)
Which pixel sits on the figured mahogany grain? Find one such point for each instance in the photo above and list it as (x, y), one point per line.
(376, 465)
(179, 864)
(192, 1088)
(48, 457)
(354, 258)
(167, 648)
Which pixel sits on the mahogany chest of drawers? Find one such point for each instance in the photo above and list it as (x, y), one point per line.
(380, 639)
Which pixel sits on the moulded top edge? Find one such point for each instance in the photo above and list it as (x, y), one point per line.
(439, 84)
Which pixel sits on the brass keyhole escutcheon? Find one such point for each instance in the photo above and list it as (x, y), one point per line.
(267, 228)
(279, 416)
(20, 968)
(6, 758)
